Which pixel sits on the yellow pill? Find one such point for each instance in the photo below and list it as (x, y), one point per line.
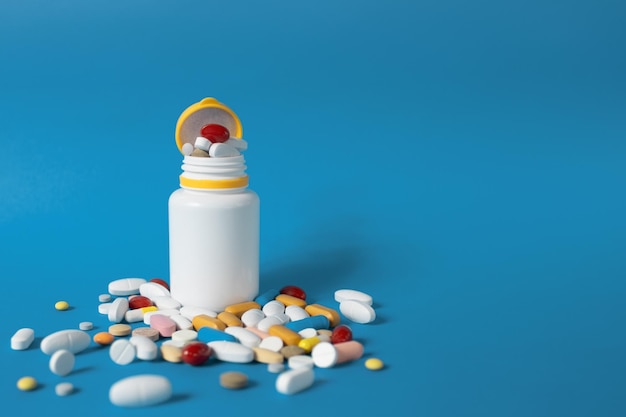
(309, 343)
(288, 336)
(289, 300)
(320, 310)
(229, 319)
(62, 305)
(374, 364)
(27, 383)
(203, 320)
(239, 309)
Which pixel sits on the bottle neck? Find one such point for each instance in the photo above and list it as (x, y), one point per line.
(214, 173)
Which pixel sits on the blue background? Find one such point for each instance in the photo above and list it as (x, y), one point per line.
(463, 162)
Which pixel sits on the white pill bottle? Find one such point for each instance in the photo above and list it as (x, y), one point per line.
(213, 219)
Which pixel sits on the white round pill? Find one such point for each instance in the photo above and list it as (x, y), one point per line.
(145, 349)
(104, 308)
(122, 352)
(346, 294)
(273, 307)
(265, 324)
(275, 368)
(252, 317)
(85, 325)
(308, 332)
(273, 343)
(300, 361)
(185, 336)
(187, 149)
(104, 298)
(202, 143)
(64, 388)
(62, 362)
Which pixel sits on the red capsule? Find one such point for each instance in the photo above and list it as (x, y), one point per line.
(196, 353)
(160, 282)
(294, 291)
(139, 301)
(341, 333)
(215, 133)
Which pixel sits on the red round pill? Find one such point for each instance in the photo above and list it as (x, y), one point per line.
(196, 353)
(139, 301)
(215, 133)
(160, 282)
(294, 291)
(341, 333)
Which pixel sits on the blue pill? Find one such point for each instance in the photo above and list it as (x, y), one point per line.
(208, 334)
(267, 296)
(316, 322)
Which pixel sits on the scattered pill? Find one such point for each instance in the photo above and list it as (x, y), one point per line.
(244, 336)
(296, 313)
(288, 336)
(139, 301)
(290, 300)
(273, 343)
(145, 349)
(316, 322)
(229, 319)
(104, 298)
(103, 338)
(202, 143)
(326, 355)
(64, 388)
(329, 313)
(104, 308)
(238, 144)
(140, 391)
(294, 381)
(166, 303)
(252, 317)
(308, 332)
(266, 297)
(215, 133)
(171, 353)
(293, 291)
(275, 368)
(209, 334)
(265, 324)
(148, 332)
(340, 334)
(300, 361)
(196, 353)
(125, 286)
(62, 362)
(374, 364)
(240, 308)
(120, 329)
(165, 325)
(185, 336)
(26, 383)
(206, 321)
(22, 339)
(289, 351)
(233, 380)
(118, 309)
(346, 294)
(122, 352)
(231, 352)
(152, 289)
(273, 308)
(62, 305)
(73, 340)
(267, 356)
(357, 311)
(222, 150)
(309, 343)
(85, 325)
(182, 323)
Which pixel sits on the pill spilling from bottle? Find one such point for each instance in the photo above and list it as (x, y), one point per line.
(279, 328)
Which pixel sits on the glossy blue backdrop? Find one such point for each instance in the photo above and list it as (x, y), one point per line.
(463, 162)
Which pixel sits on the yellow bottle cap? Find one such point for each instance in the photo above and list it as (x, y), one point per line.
(206, 111)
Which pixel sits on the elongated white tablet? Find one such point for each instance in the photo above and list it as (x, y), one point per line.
(185, 336)
(221, 150)
(122, 352)
(22, 339)
(245, 337)
(104, 308)
(166, 303)
(273, 307)
(190, 312)
(265, 324)
(231, 352)
(145, 349)
(64, 388)
(125, 286)
(300, 361)
(73, 340)
(182, 322)
(345, 294)
(118, 308)
(357, 311)
(152, 290)
(140, 391)
(295, 380)
(62, 362)
(239, 144)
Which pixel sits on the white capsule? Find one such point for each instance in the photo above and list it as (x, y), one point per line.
(118, 308)
(357, 311)
(140, 391)
(22, 339)
(231, 351)
(145, 349)
(345, 294)
(221, 150)
(187, 149)
(245, 337)
(166, 303)
(252, 317)
(73, 340)
(295, 380)
(133, 316)
(125, 286)
(273, 308)
(202, 143)
(122, 352)
(62, 362)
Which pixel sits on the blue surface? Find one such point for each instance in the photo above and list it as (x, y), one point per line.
(463, 162)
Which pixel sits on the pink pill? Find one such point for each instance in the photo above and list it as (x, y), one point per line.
(165, 325)
(258, 332)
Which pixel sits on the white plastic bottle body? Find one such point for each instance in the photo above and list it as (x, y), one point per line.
(214, 246)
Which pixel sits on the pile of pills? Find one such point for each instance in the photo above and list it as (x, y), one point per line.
(279, 328)
(215, 142)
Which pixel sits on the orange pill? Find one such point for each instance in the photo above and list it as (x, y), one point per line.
(239, 309)
(203, 320)
(288, 336)
(103, 338)
(320, 310)
(289, 300)
(229, 319)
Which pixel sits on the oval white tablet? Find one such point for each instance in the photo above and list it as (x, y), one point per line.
(295, 380)
(308, 332)
(64, 388)
(357, 311)
(125, 286)
(252, 317)
(166, 303)
(296, 313)
(118, 308)
(122, 352)
(22, 339)
(73, 340)
(231, 351)
(244, 336)
(273, 343)
(153, 290)
(104, 308)
(265, 324)
(140, 391)
(300, 361)
(182, 322)
(185, 336)
(344, 295)
(62, 362)
(273, 307)
(145, 349)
